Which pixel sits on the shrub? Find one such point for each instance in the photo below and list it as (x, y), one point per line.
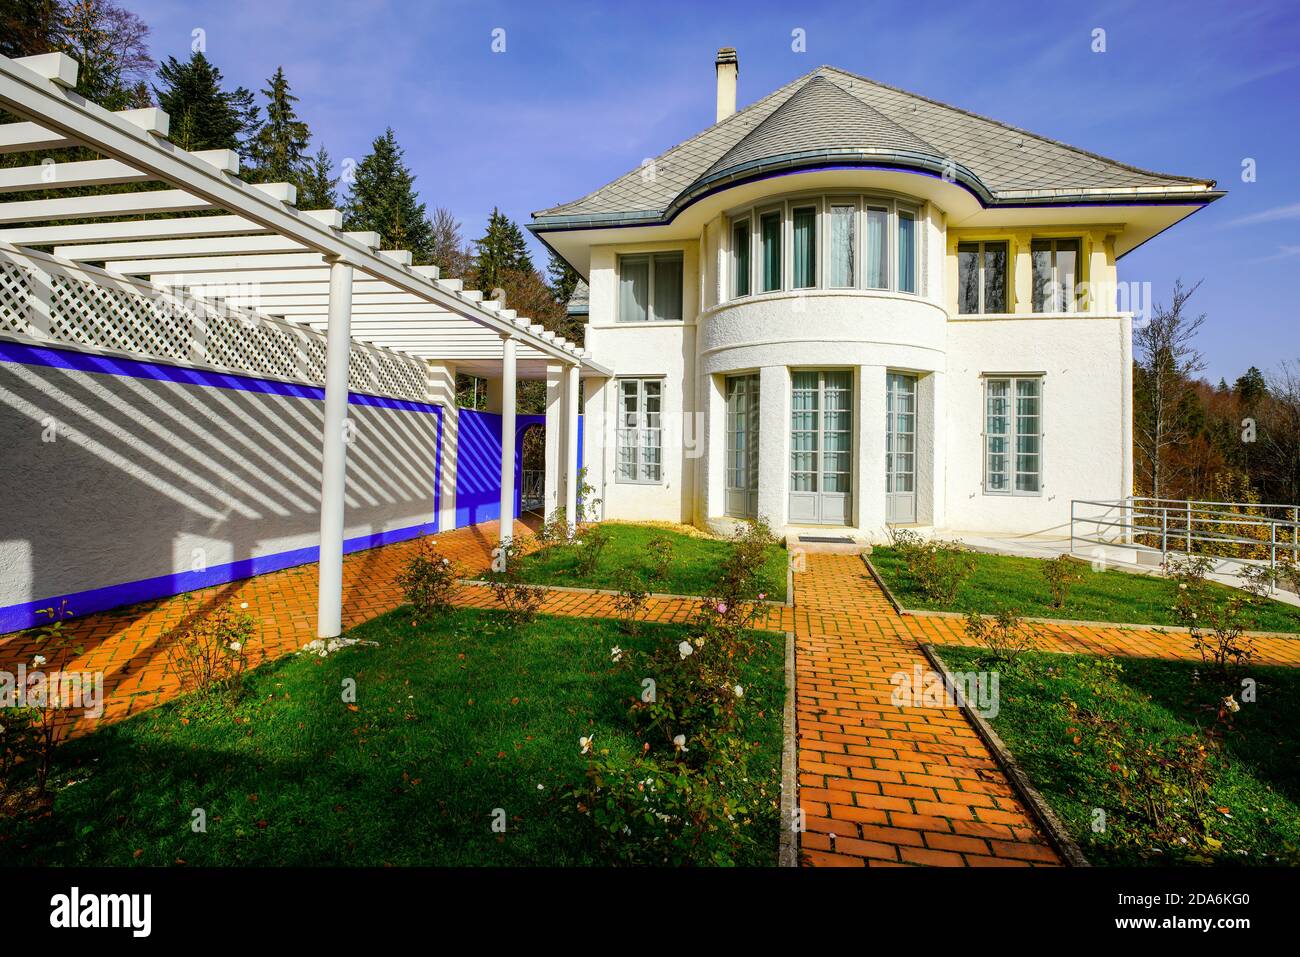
(555, 530)
(631, 600)
(588, 503)
(661, 550)
(1062, 574)
(428, 581)
(520, 600)
(1004, 634)
(675, 803)
(940, 570)
(1216, 618)
(588, 545)
(209, 653)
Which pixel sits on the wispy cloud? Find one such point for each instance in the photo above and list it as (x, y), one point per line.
(1277, 213)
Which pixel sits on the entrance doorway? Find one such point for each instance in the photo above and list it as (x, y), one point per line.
(821, 447)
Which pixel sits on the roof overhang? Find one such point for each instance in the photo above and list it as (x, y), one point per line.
(1138, 215)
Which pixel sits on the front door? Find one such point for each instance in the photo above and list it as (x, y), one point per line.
(900, 449)
(821, 448)
(742, 446)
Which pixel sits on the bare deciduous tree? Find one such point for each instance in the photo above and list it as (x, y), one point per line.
(1279, 432)
(1165, 363)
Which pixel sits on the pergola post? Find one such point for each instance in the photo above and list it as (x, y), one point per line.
(329, 615)
(571, 447)
(507, 522)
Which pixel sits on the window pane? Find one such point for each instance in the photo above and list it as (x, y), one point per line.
(842, 245)
(668, 287)
(906, 252)
(995, 277)
(634, 289)
(771, 238)
(1041, 253)
(740, 259)
(968, 278)
(997, 429)
(805, 247)
(1067, 269)
(877, 248)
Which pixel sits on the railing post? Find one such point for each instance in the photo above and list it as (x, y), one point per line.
(1272, 557)
(1189, 527)
(1164, 535)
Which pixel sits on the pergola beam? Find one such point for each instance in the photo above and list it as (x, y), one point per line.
(176, 248)
(108, 204)
(102, 172)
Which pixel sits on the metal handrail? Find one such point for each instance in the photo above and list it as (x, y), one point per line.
(1175, 523)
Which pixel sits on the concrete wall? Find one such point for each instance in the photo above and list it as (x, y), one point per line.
(129, 480)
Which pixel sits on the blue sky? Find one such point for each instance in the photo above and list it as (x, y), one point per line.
(585, 91)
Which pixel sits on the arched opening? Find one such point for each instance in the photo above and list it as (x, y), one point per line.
(532, 478)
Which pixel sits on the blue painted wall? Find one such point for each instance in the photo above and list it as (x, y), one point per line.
(478, 463)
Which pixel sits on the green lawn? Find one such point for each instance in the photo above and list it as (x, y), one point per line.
(452, 721)
(1001, 581)
(694, 568)
(1251, 811)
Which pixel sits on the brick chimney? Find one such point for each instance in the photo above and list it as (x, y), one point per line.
(727, 66)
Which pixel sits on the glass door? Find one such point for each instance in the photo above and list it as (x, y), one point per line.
(900, 449)
(821, 448)
(742, 446)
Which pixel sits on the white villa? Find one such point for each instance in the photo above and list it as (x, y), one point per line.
(850, 306)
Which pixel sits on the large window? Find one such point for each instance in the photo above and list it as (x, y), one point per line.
(842, 250)
(740, 258)
(906, 251)
(981, 277)
(805, 247)
(770, 237)
(877, 248)
(1013, 435)
(1056, 273)
(650, 288)
(640, 430)
(835, 242)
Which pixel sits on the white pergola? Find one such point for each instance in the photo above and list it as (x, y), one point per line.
(253, 249)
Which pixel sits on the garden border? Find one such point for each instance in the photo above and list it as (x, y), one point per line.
(787, 845)
(1062, 622)
(1047, 819)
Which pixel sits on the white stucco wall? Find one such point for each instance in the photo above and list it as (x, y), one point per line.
(1087, 431)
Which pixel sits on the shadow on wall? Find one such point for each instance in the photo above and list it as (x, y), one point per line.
(478, 464)
(125, 488)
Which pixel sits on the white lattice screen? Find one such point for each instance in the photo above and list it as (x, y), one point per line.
(48, 299)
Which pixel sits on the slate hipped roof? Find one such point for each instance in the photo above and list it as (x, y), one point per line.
(831, 117)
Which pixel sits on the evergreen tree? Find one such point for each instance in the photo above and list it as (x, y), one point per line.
(1251, 387)
(563, 278)
(28, 27)
(279, 148)
(204, 116)
(382, 199)
(501, 250)
(316, 183)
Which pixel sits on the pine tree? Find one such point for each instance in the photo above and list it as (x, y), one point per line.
(28, 27)
(316, 182)
(563, 278)
(502, 250)
(278, 150)
(382, 199)
(203, 115)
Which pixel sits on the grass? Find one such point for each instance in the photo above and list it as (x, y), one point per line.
(693, 571)
(1001, 581)
(1252, 811)
(452, 721)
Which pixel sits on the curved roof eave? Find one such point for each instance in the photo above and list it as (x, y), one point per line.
(1194, 194)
